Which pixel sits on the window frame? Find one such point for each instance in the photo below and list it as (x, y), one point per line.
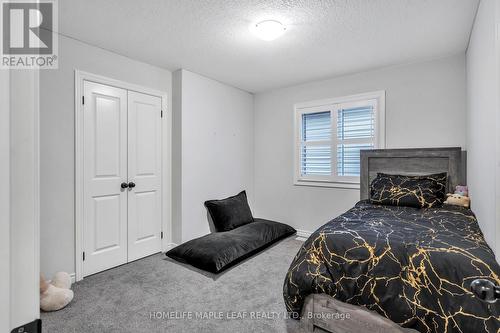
(333, 105)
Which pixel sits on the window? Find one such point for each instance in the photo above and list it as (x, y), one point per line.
(330, 134)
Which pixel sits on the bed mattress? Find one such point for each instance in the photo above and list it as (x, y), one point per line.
(413, 266)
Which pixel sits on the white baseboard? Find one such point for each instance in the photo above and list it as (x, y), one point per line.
(71, 275)
(169, 246)
(303, 234)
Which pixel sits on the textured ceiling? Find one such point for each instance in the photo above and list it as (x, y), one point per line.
(323, 39)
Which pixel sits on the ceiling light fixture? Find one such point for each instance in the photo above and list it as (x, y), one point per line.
(269, 30)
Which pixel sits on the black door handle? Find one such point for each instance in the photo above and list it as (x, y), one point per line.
(131, 185)
(124, 185)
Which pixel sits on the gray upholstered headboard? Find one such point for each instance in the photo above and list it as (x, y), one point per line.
(414, 161)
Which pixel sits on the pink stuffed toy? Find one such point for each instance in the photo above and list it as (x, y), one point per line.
(460, 197)
(462, 190)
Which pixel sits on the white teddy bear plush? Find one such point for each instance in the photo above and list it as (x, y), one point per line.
(56, 294)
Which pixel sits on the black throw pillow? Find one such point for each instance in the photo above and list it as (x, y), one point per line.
(413, 191)
(230, 213)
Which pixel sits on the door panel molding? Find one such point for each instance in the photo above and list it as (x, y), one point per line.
(165, 126)
(144, 169)
(104, 154)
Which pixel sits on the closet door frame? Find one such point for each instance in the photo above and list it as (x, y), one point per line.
(166, 181)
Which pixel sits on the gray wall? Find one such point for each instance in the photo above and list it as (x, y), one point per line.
(425, 107)
(57, 151)
(212, 149)
(483, 128)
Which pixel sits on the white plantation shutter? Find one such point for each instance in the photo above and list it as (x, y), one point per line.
(355, 123)
(348, 163)
(355, 131)
(316, 154)
(330, 138)
(316, 160)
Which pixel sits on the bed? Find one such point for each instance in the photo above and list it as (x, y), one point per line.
(412, 266)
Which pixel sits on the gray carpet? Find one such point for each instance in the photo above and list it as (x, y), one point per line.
(125, 298)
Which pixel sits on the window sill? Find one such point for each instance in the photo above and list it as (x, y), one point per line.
(318, 183)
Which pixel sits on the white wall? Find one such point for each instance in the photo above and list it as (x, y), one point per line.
(213, 148)
(497, 171)
(483, 134)
(57, 140)
(5, 201)
(425, 107)
(24, 204)
(177, 157)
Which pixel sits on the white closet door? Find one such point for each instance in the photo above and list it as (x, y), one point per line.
(105, 168)
(144, 171)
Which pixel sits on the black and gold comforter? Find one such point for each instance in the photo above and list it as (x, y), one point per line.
(413, 266)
